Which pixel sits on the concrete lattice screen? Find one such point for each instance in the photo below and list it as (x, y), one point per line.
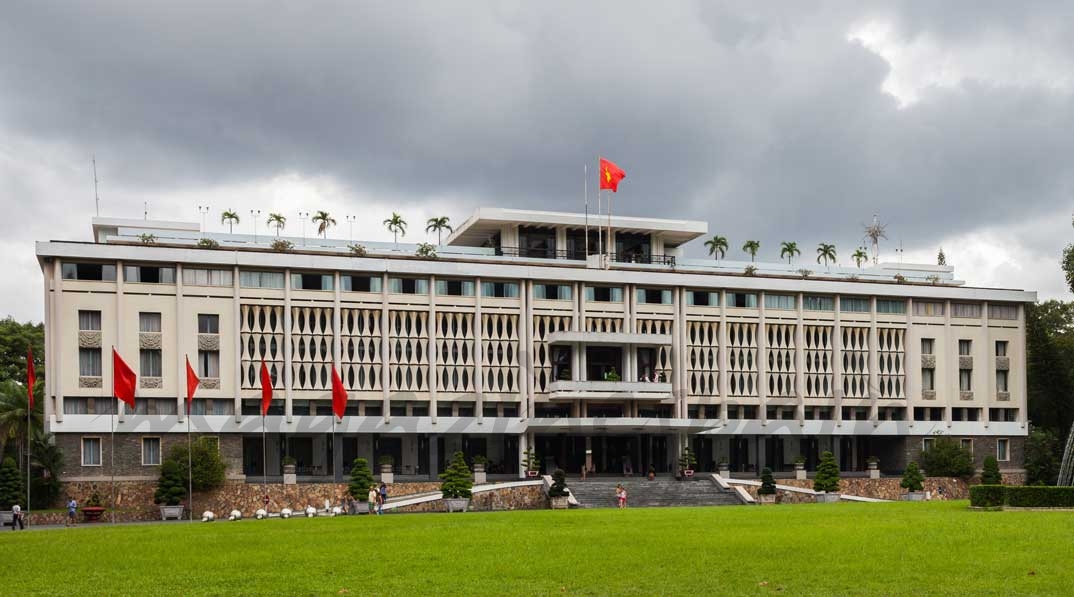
(1066, 469)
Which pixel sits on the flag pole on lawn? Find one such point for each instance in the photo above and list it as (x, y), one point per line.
(124, 382)
(266, 400)
(31, 379)
(192, 383)
(586, 186)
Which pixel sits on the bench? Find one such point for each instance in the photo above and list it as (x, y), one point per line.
(7, 518)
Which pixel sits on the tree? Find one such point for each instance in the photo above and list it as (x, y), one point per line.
(279, 221)
(13, 406)
(1042, 457)
(826, 253)
(768, 484)
(941, 259)
(1068, 263)
(12, 486)
(438, 225)
(361, 480)
(1050, 364)
(171, 487)
(457, 479)
(946, 458)
(324, 222)
(859, 256)
(827, 478)
(230, 218)
(15, 338)
(912, 479)
(396, 225)
(990, 474)
(208, 467)
(788, 249)
(751, 247)
(717, 246)
(47, 464)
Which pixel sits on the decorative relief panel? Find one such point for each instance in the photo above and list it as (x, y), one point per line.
(1003, 363)
(500, 342)
(90, 382)
(208, 342)
(261, 334)
(454, 351)
(742, 359)
(780, 370)
(149, 340)
(818, 361)
(965, 362)
(855, 362)
(360, 336)
(210, 383)
(928, 394)
(703, 357)
(311, 348)
(1003, 396)
(151, 382)
(965, 395)
(543, 367)
(89, 339)
(928, 361)
(890, 358)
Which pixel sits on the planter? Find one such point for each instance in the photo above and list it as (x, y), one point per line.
(828, 498)
(874, 470)
(290, 477)
(724, 471)
(688, 473)
(386, 474)
(532, 473)
(914, 496)
(559, 502)
(92, 513)
(480, 477)
(175, 512)
(457, 504)
(799, 472)
(766, 499)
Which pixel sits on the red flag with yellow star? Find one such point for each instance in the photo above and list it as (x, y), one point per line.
(610, 175)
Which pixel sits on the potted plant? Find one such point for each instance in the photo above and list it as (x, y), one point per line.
(826, 483)
(480, 462)
(361, 481)
(386, 471)
(456, 484)
(874, 467)
(171, 489)
(533, 465)
(557, 493)
(767, 492)
(724, 468)
(93, 509)
(799, 468)
(913, 481)
(687, 462)
(612, 375)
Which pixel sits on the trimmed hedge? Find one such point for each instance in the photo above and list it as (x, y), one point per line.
(992, 496)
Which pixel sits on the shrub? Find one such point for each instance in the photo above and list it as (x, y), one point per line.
(751, 270)
(559, 484)
(827, 478)
(12, 487)
(912, 479)
(987, 496)
(208, 467)
(208, 243)
(1039, 496)
(768, 484)
(687, 460)
(531, 460)
(386, 459)
(147, 239)
(282, 246)
(457, 481)
(480, 459)
(357, 250)
(94, 500)
(990, 475)
(900, 279)
(426, 251)
(1042, 457)
(805, 273)
(171, 488)
(361, 480)
(946, 458)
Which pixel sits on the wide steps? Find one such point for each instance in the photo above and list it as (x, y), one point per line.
(642, 493)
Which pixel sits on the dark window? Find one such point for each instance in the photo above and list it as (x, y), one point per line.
(490, 410)
(208, 323)
(510, 410)
(466, 410)
(398, 409)
(89, 271)
(443, 410)
(373, 409)
(360, 283)
(419, 410)
(311, 281)
(742, 300)
(703, 298)
(536, 242)
(149, 274)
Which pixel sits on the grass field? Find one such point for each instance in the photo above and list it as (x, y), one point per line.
(895, 548)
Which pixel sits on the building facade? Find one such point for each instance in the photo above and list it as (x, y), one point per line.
(593, 346)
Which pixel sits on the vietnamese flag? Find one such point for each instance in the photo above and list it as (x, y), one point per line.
(339, 394)
(192, 382)
(31, 376)
(123, 379)
(266, 389)
(610, 175)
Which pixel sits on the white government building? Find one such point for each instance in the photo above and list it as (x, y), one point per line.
(513, 338)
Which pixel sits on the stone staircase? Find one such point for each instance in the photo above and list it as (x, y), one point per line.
(642, 493)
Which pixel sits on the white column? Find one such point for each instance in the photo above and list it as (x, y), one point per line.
(434, 368)
(837, 364)
(950, 372)
(288, 354)
(722, 357)
(120, 313)
(180, 341)
(337, 344)
(799, 360)
(874, 363)
(911, 363)
(1023, 404)
(479, 354)
(54, 326)
(236, 317)
(676, 356)
(526, 352)
(762, 360)
(385, 351)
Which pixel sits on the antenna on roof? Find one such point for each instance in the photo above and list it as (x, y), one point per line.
(145, 214)
(96, 198)
(875, 232)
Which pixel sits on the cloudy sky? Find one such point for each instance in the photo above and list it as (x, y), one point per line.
(951, 120)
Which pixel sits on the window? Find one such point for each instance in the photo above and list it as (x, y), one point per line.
(312, 281)
(703, 298)
(853, 305)
(1001, 381)
(928, 309)
(780, 301)
(149, 274)
(360, 283)
(965, 377)
(408, 286)
(928, 380)
(89, 362)
(150, 451)
(1003, 311)
(261, 279)
(965, 310)
(1001, 348)
(149, 362)
(818, 303)
(209, 363)
(500, 289)
(552, 292)
(91, 451)
(89, 321)
(654, 296)
(742, 300)
(1003, 415)
(926, 444)
(1003, 449)
(890, 306)
(208, 323)
(455, 287)
(88, 271)
(155, 406)
(927, 345)
(604, 294)
(149, 322)
(207, 277)
(966, 444)
(965, 348)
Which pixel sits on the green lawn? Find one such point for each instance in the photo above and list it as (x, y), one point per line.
(895, 548)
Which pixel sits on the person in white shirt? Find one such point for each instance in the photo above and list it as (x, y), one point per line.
(16, 518)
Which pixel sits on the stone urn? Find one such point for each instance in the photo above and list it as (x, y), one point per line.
(457, 504)
(290, 476)
(386, 474)
(724, 470)
(480, 478)
(874, 470)
(766, 499)
(559, 502)
(167, 512)
(799, 471)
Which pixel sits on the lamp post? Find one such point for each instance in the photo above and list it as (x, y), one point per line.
(254, 215)
(302, 215)
(203, 209)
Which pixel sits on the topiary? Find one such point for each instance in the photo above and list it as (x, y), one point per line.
(12, 487)
(559, 484)
(827, 478)
(912, 479)
(946, 458)
(361, 480)
(990, 475)
(687, 460)
(171, 488)
(457, 480)
(208, 467)
(768, 484)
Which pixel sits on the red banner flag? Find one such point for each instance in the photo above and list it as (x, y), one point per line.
(123, 379)
(31, 376)
(266, 389)
(192, 383)
(339, 394)
(610, 175)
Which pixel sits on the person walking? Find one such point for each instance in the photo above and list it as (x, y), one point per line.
(620, 495)
(383, 498)
(372, 497)
(72, 508)
(16, 518)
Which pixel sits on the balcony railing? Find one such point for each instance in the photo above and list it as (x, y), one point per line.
(632, 390)
(580, 255)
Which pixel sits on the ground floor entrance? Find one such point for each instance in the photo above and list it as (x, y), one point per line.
(605, 454)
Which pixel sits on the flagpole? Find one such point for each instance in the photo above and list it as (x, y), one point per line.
(189, 461)
(29, 457)
(264, 454)
(586, 185)
(611, 254)
(600, 238)
(112, 451)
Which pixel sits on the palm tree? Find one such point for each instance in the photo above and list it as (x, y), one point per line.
(788, 249)
(13, 406)
(230, 218)
(277, 220)
(717, 246)
(324, 222)
(859, 256)
(396, 225)
(825, 253)
(439, 225)
(751, 247)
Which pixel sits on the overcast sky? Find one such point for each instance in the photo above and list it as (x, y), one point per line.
(952, 120)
